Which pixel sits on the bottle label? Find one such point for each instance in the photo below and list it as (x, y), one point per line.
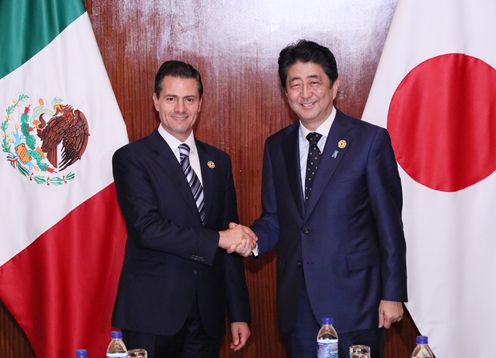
(117, 355)
(327, 348)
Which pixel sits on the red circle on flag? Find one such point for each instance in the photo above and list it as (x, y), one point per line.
(442, 121)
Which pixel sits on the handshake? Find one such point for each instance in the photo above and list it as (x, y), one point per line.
(238, 238)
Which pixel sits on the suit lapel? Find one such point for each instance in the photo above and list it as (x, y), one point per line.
(331, 157)
(166, 159)
(291, 152)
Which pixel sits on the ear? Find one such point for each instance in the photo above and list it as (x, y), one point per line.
(200, 104)
(155, 102)
(285, 91)
(335, 88)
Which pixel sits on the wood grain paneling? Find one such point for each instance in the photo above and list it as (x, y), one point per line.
(13, 342)
(235, 45)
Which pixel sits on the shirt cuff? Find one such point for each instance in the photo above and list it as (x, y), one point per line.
(255, 250)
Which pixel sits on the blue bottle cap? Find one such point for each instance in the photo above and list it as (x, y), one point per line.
(81, 353)
(327, 320)
(116, 334)
(422, 340)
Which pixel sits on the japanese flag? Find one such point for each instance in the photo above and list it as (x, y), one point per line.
(435, 91)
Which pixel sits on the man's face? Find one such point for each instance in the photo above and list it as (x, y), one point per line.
(178, 105)
(310, 94)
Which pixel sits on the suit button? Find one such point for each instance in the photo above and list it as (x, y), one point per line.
(305, 230)
(298, 263)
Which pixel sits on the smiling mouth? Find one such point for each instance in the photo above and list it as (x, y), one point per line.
(307, 105)
(180, 118)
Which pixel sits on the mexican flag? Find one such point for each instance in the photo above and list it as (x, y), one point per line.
(435, 91)
(61, 234)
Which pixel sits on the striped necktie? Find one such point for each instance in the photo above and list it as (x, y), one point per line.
(192, 179)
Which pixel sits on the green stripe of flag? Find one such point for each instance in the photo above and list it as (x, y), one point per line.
(27, 26)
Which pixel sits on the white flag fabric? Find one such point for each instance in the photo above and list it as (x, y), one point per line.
(435, 91)
(62, 234)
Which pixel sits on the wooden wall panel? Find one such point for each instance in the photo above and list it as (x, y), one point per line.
(235, 45)
(13, 342)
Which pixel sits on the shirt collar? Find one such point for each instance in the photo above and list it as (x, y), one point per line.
(323, 129)
(174, 143)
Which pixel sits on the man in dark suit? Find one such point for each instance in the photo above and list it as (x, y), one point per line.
(177, 197)
(332, 200)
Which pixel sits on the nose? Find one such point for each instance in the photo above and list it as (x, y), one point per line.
(306, 91)
(179, 106)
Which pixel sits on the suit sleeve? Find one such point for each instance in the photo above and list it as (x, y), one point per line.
(140, 208)
(267, 226)
(238, 304)
(385, 192)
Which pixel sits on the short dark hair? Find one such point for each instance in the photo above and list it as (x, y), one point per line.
(177, 69)
(306, 51)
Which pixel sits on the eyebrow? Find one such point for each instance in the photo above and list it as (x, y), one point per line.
(176, 96)
(300, 78)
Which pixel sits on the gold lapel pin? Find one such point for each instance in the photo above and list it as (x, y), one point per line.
(342, 144)
(211, 164)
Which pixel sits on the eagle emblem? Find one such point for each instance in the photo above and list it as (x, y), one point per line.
(67, 127)
(42, 141)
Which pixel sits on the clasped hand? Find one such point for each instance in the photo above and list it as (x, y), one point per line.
(238, 238)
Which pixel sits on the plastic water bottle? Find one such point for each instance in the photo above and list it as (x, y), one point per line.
(116, 347)
(327, 339)
(81, 353)
(422, 350)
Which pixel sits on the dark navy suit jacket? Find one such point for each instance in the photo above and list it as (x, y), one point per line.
(172, 259)
(348, 239)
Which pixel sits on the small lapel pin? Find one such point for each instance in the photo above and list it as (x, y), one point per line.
(335, 154)
(342, 144)
(211, 164)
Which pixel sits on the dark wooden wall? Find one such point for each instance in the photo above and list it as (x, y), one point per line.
(235, 45)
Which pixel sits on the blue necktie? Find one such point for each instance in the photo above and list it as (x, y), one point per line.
(192, 179)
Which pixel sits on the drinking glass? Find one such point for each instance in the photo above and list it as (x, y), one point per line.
(137, 353)
(359, 351)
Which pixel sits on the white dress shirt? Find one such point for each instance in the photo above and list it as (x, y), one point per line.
(173, 142)
(304, 145)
